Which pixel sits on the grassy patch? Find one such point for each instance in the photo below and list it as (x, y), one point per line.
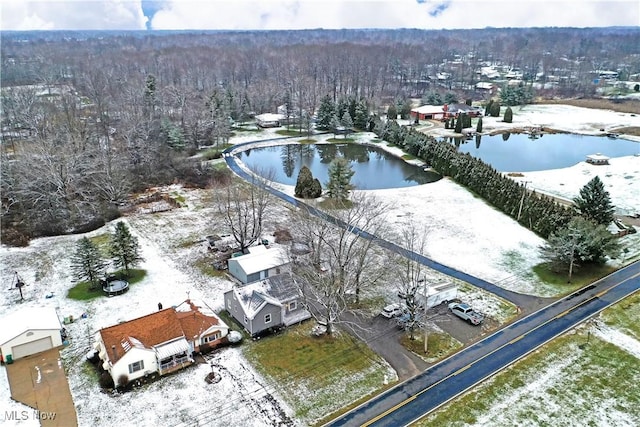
(583, 276)
(408, 157)
(307, 141)
(329, 203)
(376, 140)
(340, 140)
(215, 152)
(316, 375)
(245, 128)
(205, 265)
(555, 383)
(83, 291)
(625, 315)
(290, 132)
(439, 345)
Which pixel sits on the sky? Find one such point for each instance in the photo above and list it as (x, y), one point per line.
(24, 15)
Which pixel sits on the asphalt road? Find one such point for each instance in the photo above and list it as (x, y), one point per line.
(409, 401)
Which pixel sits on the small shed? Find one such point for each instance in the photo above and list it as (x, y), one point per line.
(270, 120)
(260, 263)
(29, 331)
(597, 159)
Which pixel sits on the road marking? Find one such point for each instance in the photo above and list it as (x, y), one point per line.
(599, 294)
(462, 369)
(517, 339)
(390, 410)
(564, 313)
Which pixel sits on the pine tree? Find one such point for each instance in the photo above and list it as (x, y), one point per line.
(392, 113)
(307, 187)
(87, 262)
(594, 202)
(124, 248)
(361, 118)
(335, 124)
(326, 111)
(479, 125)
(340, 174)
(347, 123)
(508, 115)
(487, 108)
(495, 109)
(458, 127)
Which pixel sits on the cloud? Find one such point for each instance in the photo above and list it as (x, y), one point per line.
(23, 15)
(301, 14)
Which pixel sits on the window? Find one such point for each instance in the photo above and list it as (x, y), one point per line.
(267, 318)
(211, 338)
(293, 305)
(246, 320)
(136, 366)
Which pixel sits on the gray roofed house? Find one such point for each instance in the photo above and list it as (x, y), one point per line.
(266, 304)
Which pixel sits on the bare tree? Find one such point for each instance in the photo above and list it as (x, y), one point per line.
(410, 275)
(344, 258)
(243, 207)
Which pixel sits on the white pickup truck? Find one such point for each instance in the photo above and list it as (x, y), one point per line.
(465, 312)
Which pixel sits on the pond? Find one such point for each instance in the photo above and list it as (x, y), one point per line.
(524, 153)
(373, 167)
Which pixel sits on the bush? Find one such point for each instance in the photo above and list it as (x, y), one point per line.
(508, 115)
(105, 380)
(123, 380)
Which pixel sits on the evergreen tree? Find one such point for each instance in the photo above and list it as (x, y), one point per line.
(340, 174)
(392, 113)
(594, 202)
(479, 125)
(404, 108)
(361, 118)
(335, 124)
(458, 128)
(508, 115)
(580, 241)
(450, 98)
(87, 262)
(124, 248)
(487, 108)
(346, 122)
(307, 187)
(495, 109)
(326, 111)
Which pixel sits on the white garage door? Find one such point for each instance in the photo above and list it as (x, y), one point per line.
(32, 347)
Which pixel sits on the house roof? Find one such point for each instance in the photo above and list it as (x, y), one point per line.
(26, 319)
(254, 262)
(197, 318)
(270, 117)
(187, 320)
(429, 109)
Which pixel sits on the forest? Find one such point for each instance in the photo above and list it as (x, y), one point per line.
(89, 118)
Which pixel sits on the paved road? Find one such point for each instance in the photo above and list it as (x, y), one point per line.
(418, 396)
(520, 300)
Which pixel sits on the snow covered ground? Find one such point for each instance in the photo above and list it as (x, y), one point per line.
(463, 232)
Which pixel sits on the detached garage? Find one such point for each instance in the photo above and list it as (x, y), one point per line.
(29, 331)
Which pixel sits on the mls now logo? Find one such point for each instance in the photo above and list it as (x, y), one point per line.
(28, 415)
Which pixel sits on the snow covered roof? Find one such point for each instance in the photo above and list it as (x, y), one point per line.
(26, 319)
(428, 109)
(270, 117)
(260, 260)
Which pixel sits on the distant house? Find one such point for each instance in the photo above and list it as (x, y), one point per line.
(429, 112)
(29, 331)
(266, 304)
(456, 109)
(158, 343)
(270, 120)
(260, 263)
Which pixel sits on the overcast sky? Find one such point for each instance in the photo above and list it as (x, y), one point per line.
(300, 14)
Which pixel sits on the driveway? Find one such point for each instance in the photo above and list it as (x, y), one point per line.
(40, 382)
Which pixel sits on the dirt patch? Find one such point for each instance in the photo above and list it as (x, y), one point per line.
(621, 106)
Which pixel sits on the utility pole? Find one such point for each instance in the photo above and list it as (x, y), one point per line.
(524, 192)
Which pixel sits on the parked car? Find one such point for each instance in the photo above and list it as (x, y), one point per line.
(392, 310)
(465, 312)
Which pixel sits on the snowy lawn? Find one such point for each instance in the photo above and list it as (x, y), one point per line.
(567, 382)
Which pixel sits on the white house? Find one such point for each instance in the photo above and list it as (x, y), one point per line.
(270, 120)
(29, 331)
(260, 263)
(161, 342)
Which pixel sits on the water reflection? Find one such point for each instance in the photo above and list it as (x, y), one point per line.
(374, 168)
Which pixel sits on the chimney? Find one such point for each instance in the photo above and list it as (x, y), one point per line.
(113, 349)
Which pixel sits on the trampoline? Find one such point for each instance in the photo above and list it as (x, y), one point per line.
(115, 287)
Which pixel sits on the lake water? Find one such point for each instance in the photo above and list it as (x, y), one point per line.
(374, 168)
(520, 153)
